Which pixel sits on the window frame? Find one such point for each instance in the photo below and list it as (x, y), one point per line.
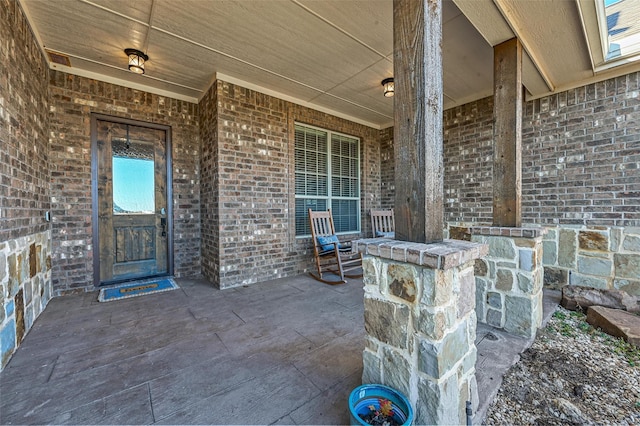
(330, 197)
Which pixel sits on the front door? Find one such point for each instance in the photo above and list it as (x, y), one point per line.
(131, 212)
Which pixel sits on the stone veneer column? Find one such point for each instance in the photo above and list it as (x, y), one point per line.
(25, 288)
(421, 324)
(509, 280)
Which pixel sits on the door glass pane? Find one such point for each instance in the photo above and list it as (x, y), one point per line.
(133, 177)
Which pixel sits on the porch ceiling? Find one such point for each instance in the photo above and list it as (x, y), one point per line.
(330, 55)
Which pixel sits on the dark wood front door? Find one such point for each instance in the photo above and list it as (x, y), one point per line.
(130, 200)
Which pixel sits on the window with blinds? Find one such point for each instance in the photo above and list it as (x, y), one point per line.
(327, 177)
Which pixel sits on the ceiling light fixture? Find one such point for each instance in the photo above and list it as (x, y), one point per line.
(136, 60)
(389, 87)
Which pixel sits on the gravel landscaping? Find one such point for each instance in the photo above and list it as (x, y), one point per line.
(572, 374)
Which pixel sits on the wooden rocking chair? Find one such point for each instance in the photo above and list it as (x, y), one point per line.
(382, 223)
(331, 255)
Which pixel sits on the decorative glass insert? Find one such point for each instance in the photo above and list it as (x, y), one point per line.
(133, 177)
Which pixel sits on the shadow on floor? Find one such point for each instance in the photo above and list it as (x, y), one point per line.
(281, 352)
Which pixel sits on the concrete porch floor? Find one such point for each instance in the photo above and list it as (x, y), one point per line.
(287, 351)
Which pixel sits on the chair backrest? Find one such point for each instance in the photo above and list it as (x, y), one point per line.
(321, 223)
(382, 221)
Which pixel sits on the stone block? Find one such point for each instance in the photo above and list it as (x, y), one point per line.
(567, 248)
(527, 261)
(549, 252)
(33, 261)
(3, 266)
(467, 294)
(494, 300)
(551, 235)
(434, 324)
(436, 359)
(7, 341)
(588, 281)
(14, 275)
(615, 238)
(504, 280)
(28, 291)
(386, 321)
(579, 297)
(459, 233)
(371, 367)
(526, 283)
(494, 318)
(595, 266)
(396, 370)
(437, 287)
(370, 271)
(520, 315)
(481, 286)
(555, 278)
(403, 281)
(480, 268)
(631, 243)
(627, 265)
(9, 308)
(630, 286)
(468, 364)
(435, 402)
(593, 240)
(525, 242)
(501, 248)
(615, 322)
(19, 314)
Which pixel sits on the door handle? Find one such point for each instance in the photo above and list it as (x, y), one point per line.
(163, 224)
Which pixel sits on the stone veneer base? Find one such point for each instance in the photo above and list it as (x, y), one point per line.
(509, 280)
(25, 283)
(421, 324)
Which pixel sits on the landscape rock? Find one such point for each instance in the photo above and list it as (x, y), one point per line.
(574, 297)
(616, 322)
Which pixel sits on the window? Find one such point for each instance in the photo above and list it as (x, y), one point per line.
(327, 177)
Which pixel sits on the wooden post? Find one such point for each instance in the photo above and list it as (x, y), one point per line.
(417, 56)
(507, 134)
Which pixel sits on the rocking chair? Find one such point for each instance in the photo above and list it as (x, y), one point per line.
(331, 255)
(382, 223)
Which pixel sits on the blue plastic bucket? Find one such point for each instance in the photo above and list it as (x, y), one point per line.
(365, 395)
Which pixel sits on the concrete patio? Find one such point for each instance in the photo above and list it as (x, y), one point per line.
(283, 352)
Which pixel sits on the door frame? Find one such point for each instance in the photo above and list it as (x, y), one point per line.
(94, 187)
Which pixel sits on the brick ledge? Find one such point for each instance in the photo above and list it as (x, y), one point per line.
(501, 231)
(443, 255)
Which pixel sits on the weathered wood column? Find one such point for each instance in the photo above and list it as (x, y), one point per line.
(417, 56)
(420, 289)
(507, 133)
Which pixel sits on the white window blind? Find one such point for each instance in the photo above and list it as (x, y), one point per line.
(327, 167)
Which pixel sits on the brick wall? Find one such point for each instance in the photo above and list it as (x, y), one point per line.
(581, 155)
(210, 234)
(387, 169)
(248, 162)
(24, 170)
(580, 177)
(468, 170)
(580, 159)
(25, 237)
(72, 100)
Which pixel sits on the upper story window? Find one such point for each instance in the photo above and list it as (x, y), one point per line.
(327, 168)
(619, 28)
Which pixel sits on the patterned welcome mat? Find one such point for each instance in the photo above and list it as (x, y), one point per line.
(137, 288)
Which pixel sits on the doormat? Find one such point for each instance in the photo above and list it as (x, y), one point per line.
(138, 288)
